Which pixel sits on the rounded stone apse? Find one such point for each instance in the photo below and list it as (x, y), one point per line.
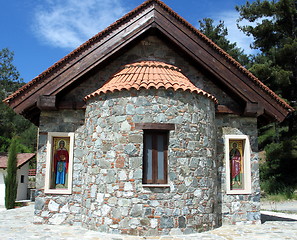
(119, 196)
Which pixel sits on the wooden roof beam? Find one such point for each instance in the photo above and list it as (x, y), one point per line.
(253, 109)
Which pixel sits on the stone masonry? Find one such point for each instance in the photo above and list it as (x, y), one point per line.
(107, 191)
(115, 200)
(238, 208)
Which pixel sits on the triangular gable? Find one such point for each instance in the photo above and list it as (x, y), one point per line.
(151, 15)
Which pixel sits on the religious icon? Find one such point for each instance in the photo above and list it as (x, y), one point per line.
(60, 162)
(236, 163)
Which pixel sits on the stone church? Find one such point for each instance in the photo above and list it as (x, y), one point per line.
(148, 128)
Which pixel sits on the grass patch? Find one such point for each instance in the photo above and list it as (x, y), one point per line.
(280, 197)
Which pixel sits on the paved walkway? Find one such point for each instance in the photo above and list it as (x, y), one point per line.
(16, 224)
(285, 206)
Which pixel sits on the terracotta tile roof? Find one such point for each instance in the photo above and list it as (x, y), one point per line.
(22, 158)
(113, 26)
(149, 74)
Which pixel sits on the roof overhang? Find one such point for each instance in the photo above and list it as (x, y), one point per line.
(151, 15)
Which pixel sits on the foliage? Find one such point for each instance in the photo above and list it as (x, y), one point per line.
(273, 25)
(218, 34)
(272, 74)
(9, 76)
(12, 124)
(271, 133)
(279, 173)
(11, 176)
(275, 36)
(278, 197)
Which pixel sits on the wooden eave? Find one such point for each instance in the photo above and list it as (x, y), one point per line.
(152, 14)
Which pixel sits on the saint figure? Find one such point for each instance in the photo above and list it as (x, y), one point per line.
(61, 160)
(235, 159)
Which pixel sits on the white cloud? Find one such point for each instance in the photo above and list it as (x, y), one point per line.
(69, 23)
(234, 34)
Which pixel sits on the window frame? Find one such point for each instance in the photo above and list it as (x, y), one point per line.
(49, 162)
(155, 163)
(156, 127)
(247, 185)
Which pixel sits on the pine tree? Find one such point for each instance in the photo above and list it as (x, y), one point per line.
(274, 29)
(218, 34)
(11, 176)
(12, 124)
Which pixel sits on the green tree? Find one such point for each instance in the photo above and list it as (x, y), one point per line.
(218, 34)
(274, 31)
(9, 76)
(273, 25)
(11, 176)
(12, 124)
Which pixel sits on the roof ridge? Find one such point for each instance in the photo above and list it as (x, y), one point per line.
(80, 48)
(134, 11)
(228, 57)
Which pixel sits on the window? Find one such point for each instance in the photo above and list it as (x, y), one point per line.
(155, 153)
(22, 178)
(58, 179)
(238, 169)
(155, 157)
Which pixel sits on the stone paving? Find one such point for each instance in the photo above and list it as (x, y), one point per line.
(284, 206)
(17, 224)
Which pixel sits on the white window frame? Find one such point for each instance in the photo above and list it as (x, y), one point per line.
(49, 162)
(247, 189)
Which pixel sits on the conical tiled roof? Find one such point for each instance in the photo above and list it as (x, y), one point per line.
(149, 74)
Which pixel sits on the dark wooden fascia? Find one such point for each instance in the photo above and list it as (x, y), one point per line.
(253, 109)
(86, 61)
(224, 109)
(215, 63)
(152, 16)
(46, 103)
(75, 105)
(32, 113)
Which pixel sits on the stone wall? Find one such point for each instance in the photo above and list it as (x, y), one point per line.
(238, 208)
(114, 198)
(188, 158)
(52, 208)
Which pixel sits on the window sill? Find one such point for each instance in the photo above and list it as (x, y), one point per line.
(156, 185)
(238, 192)
(58, 191)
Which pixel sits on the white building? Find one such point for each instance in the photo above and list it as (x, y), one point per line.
(22, 175)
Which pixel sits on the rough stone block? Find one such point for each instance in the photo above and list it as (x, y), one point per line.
(166, 222)
(130, 149)
(53, 206)
(39, 203)
(57, 218)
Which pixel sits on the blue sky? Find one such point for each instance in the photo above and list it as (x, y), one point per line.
(41, 32)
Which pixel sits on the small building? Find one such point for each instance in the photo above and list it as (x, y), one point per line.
(148, 128)
(23, 160)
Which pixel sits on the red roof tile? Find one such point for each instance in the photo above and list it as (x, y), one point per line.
(149, 74)
(22, 158)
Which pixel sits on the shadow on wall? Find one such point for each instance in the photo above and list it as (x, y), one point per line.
(267, 217)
